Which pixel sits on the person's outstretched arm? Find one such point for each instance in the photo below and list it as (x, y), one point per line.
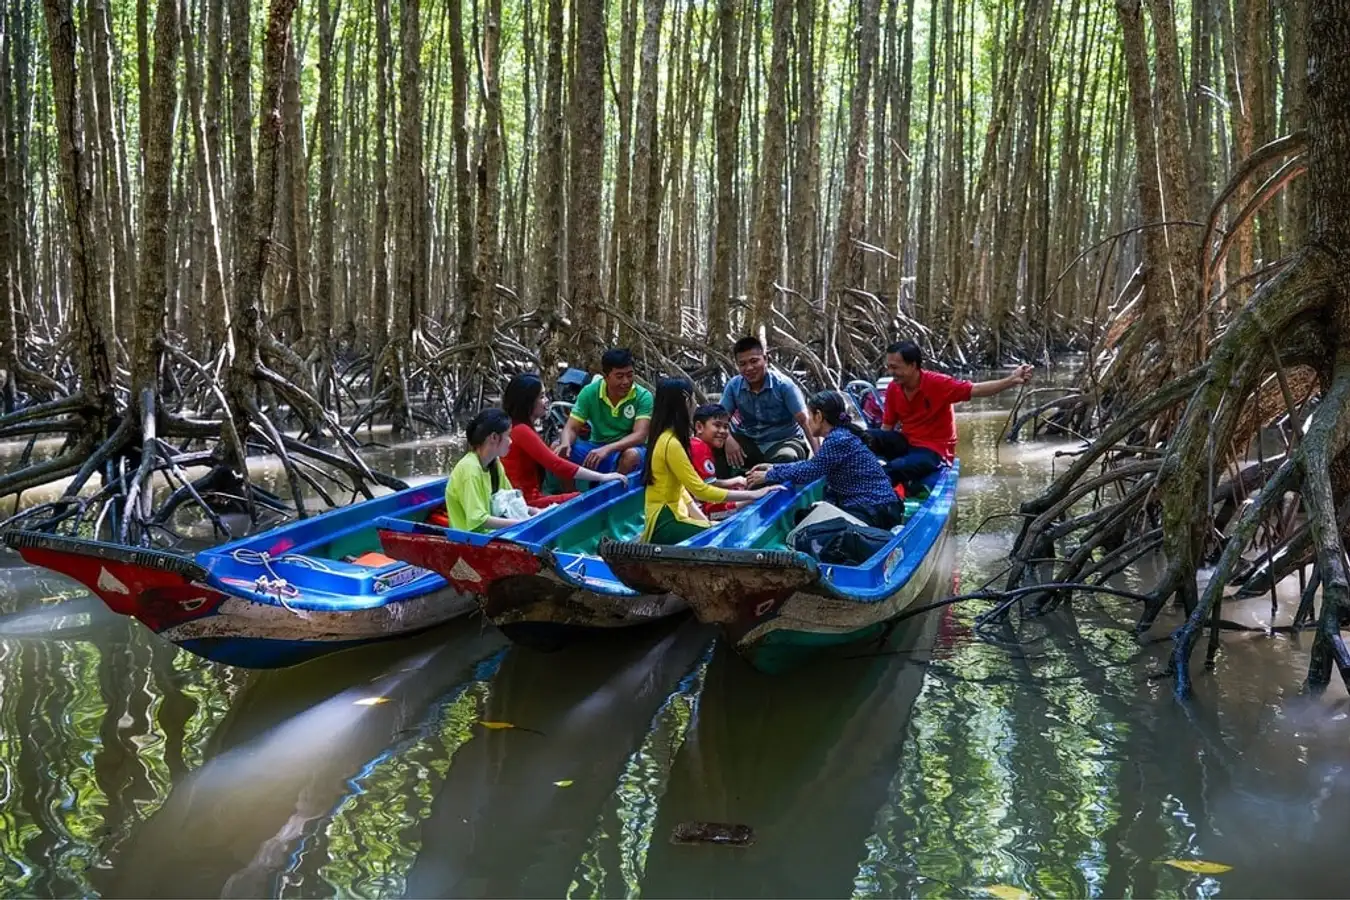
(1020, 375)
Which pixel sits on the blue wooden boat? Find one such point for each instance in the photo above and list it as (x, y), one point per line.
(542, 582)
(275, 599)
(779, 607)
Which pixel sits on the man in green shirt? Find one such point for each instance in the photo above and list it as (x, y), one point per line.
(619, 414)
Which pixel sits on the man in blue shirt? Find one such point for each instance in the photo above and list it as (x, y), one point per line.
(768, 415)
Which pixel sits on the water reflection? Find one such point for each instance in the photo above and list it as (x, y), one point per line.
(1054, 763)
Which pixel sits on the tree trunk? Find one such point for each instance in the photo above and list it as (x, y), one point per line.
(464, 176)
(409, 287)
(94, 361)
(479, 318)
(549, 217)
(379, 240)
(1158, 290)
(727, 125)
(152, 281)
(213, 309)
(328, 151)
(586, 177)
(113, 163)
(803, 249)
(1296, 110)
(297, 161)
(618, 286)
(766, 259)
(639, 250)
(846, 268)
(255, 200)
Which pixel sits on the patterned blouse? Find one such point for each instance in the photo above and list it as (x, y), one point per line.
(853, 474)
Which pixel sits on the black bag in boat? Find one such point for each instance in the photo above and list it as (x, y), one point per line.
(840, 542)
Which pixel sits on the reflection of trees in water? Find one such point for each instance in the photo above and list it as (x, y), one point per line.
(87, 734)
(615, 858)
(368, 843)
(1027, 771)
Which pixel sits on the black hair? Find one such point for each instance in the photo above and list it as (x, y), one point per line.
(520, 395)
(616, 358)
(487, 423)
(908, 351)
(709, 411)
(670, 410)
(833, 408)
(745, 345)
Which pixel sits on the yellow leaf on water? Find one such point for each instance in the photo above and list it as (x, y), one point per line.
(496, 726)
(1006, 892)
(566, 782)
(371, 701)
(1198, 866)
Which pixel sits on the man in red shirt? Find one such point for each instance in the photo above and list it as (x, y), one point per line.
(918, 433)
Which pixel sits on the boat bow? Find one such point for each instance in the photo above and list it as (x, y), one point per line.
(722, 586)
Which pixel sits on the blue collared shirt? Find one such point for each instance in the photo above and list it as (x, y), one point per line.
(853, 474)
(766, 417)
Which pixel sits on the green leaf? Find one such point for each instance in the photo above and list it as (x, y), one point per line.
(1198, 866)
(371, 701)
(496, 726)
(566, 782)
(1006, 892)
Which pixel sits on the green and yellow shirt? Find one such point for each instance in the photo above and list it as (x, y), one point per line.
(609, 421)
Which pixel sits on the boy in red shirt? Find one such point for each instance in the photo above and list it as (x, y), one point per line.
(711, 427)
(918, 427)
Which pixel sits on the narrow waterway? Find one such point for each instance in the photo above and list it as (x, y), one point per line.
(937, 765)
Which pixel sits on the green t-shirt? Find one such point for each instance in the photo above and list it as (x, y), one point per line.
(468, 496)
(611, 422)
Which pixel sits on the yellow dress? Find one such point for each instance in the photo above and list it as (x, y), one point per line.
(676, 485)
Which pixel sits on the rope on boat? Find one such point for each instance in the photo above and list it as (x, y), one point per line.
(278, 586)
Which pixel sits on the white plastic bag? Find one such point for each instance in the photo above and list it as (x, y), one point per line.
(510, 505)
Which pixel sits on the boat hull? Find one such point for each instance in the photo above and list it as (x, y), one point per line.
(229, 619)
(780, 608)
(527, 592)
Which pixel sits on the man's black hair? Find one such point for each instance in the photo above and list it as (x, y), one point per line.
(908, 351)
(745, 345)
(616, 358)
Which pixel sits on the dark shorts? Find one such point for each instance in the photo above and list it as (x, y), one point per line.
(788, 451)
(904, 463)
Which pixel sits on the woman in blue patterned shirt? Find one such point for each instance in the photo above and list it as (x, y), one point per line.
(855, 480)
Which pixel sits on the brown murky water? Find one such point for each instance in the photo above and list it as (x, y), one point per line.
(941, 766)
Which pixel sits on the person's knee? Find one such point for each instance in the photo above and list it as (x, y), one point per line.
(629, 461)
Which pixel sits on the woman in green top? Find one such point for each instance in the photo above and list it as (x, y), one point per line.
(479, 475)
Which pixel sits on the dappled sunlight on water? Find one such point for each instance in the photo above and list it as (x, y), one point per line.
(1049, 759)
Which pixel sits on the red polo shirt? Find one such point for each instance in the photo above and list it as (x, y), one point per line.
(927, 418)
(701, 455)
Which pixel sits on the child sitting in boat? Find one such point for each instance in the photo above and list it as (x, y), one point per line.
(529, 457)
(712, 424)
(671, 480)
(855, 479)
(479, 476)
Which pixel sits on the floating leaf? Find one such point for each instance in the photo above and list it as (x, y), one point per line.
(371, 701)
(566, 782)
(1006, 892)
(1198, 866)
